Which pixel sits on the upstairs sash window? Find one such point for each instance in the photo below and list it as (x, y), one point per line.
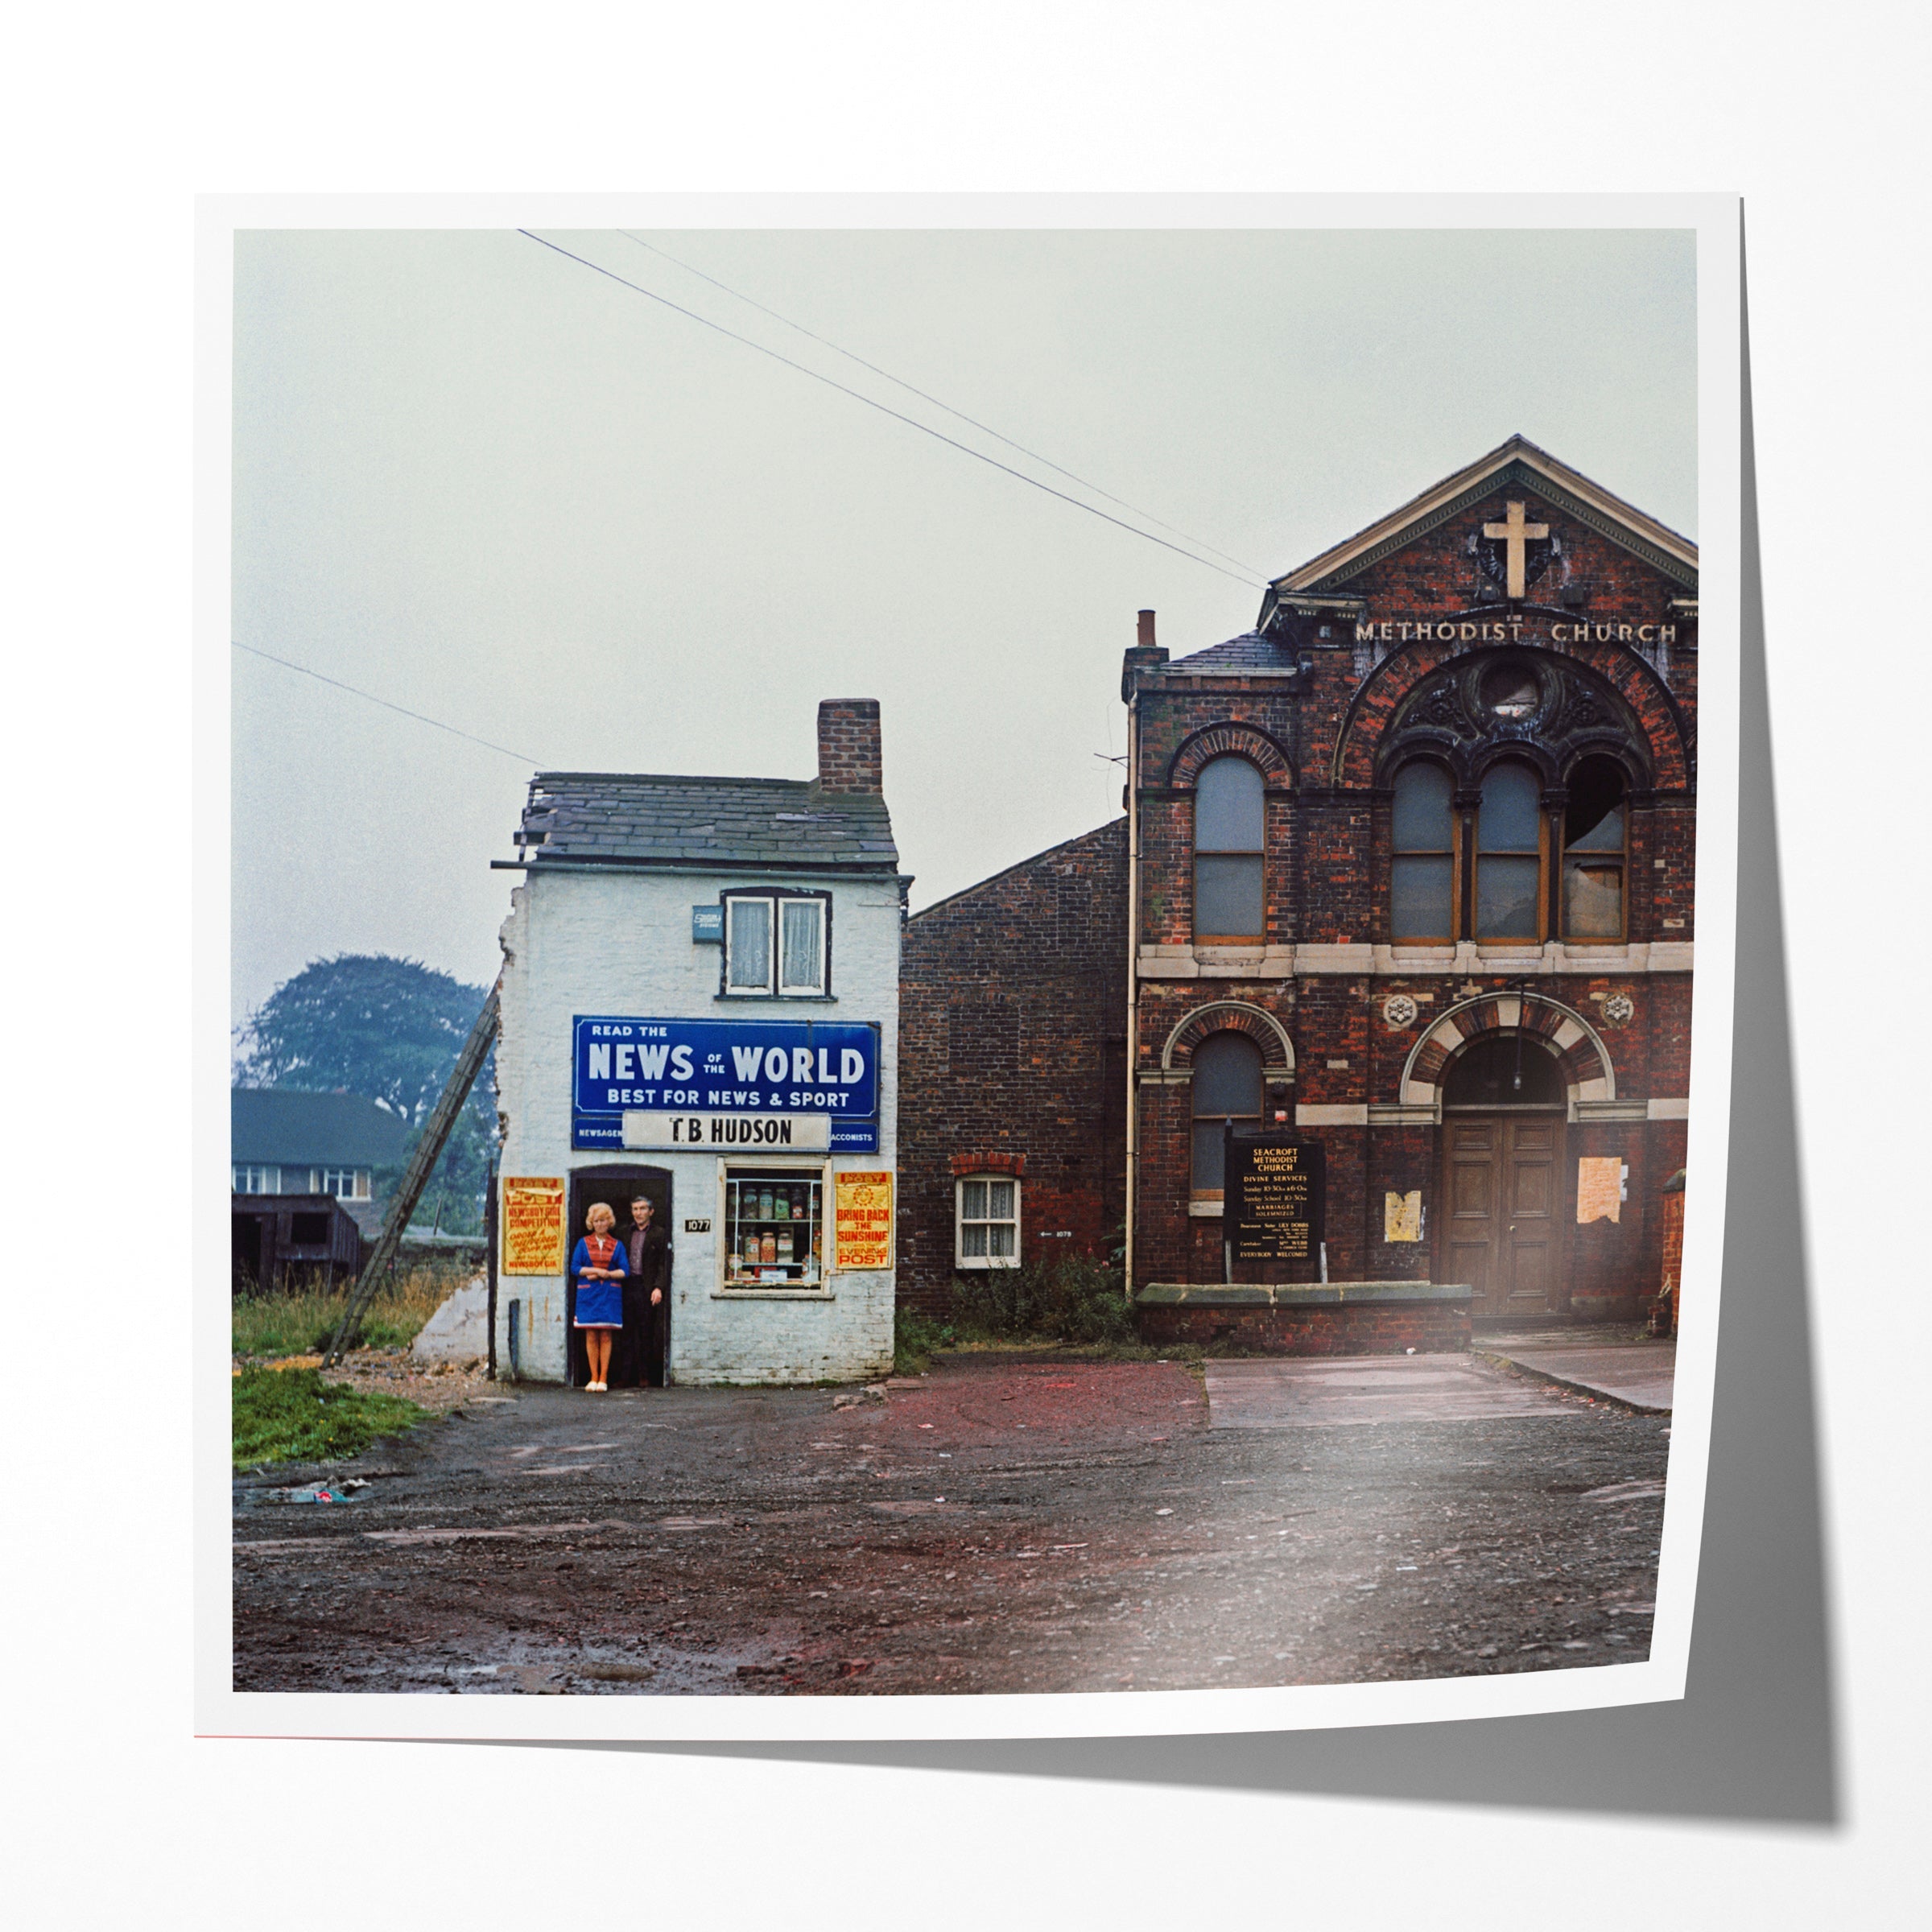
(1509, 866)
(775, 945)
(1422, 874)
(1228, 821)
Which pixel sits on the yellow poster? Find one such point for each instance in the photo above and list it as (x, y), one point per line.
(862, 1219)
(1402, 1216)
(1599, 1188)
(531, 1232)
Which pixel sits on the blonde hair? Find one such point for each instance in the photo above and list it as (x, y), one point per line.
(597, 1209)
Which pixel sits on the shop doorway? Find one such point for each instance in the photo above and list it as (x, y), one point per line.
(1504, 1109)
(642, 1347)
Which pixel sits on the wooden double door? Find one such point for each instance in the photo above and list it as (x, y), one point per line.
(1502, 1182)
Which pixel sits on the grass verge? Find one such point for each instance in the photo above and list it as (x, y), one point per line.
(265, 1325)
(292, 1415)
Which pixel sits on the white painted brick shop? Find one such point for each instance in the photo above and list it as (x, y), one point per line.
(700, 1015)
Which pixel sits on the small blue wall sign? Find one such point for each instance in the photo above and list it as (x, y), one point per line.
(708, 925)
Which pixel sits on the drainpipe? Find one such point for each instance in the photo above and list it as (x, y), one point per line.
(1133, 942)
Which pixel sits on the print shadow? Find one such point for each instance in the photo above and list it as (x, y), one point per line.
(1756, 1736)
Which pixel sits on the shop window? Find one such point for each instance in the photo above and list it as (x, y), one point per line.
(1229, 815)
(1226, 1086)
(775, 945)
(1508, 865)
(1422, 894)
(257, 1180)
(987, 1222)
(1596, 823)
(775, 1228)
(344, 1183)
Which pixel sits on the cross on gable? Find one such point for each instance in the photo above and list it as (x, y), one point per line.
(1516, 536)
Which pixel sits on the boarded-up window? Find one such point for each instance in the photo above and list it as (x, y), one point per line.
(1594, 832)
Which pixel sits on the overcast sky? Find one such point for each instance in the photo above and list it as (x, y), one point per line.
(492, 485)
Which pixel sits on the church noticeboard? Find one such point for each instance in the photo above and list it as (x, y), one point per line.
(1275, 1185)
(533, 1225)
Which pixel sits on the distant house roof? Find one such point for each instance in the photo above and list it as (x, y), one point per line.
(579, 818)
(274, 1126)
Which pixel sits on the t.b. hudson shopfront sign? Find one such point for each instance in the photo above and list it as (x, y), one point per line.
(729, 1085)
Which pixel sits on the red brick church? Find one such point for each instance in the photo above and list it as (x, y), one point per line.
(1403, 897)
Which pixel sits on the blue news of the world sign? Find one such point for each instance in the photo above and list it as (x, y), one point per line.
(740, 1066)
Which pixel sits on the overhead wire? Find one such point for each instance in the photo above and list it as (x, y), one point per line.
(356, 690)
(927, 396)
(884, 408)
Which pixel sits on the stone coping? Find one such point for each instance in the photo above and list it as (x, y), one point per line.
(1297, 1294)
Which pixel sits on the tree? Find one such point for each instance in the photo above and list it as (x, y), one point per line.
(390, 1030)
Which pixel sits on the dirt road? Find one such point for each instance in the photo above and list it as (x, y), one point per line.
(1004, 1524)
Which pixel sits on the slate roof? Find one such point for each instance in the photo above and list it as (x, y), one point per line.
(272, 1126)
(1250, 651)
(584, 817)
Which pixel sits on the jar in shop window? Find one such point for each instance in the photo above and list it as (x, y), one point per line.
(768, 1246)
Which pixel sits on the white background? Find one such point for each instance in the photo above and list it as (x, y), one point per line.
(118, 118)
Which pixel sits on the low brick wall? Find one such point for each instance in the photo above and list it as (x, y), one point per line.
(1341, 1318)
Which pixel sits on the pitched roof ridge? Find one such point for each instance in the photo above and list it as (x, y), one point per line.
(1559, 474)
(993, 878)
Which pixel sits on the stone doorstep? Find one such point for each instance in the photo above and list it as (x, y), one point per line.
(1301, 1295)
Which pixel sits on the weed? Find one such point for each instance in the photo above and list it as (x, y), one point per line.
(1069, 1299)
(915, 1336)
(293, 1416)
(264, 1326)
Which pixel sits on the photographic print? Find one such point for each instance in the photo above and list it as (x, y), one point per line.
(962, 950)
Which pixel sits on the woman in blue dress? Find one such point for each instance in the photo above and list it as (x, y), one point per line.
(598, 1266)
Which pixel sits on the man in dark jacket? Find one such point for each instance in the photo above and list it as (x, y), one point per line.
(648, 1253)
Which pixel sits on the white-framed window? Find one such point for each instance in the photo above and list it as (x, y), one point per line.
(344, 1183)
(257, 1180)
(775, 945)
(987, 1219)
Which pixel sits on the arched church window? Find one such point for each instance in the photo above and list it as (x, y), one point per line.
(1595, 825)
(1508, 847)
(1229, 816)
(1227, 1086)
(1422, 874)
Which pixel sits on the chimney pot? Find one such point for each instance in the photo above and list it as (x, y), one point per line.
(849, 757)
(1145, 637)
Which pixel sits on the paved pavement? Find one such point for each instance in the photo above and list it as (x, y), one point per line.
(1313, 1392)
(1600, 1360)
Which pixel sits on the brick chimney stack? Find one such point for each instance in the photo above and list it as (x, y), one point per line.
(849, 757)
(1142, 655)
